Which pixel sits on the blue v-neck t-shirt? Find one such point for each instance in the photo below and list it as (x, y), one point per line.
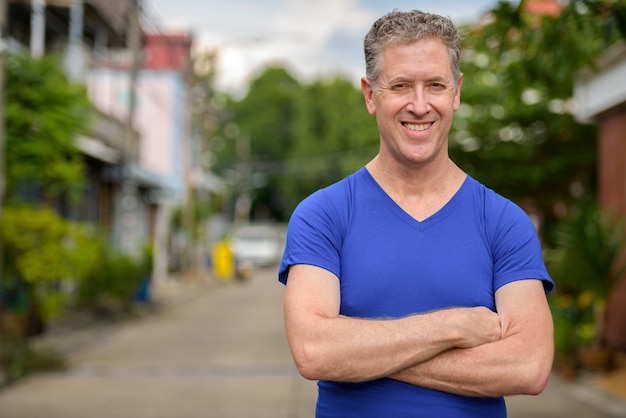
(390, 265)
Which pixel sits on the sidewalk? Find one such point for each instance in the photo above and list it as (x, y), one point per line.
(79, 330)
(209, 349)
(613, 382)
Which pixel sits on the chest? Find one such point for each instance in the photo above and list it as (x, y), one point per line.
(394, 266)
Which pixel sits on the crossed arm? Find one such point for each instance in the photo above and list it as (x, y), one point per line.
(467, 351)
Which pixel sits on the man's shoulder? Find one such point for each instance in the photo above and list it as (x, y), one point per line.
(339, 192)
(499, 213)
(491, 199)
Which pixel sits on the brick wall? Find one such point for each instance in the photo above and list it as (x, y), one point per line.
(612, 196)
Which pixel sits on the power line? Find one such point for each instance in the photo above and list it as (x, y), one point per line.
(307, 165)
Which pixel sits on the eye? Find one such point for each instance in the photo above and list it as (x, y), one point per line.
(399, 86)
(438, 86)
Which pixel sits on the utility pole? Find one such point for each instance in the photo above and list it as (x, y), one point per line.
(3, 48)
(134, 46)
(38, 28)
(74, 64)
(126, 235)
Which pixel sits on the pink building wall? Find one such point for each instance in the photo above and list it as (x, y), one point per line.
(160, 117)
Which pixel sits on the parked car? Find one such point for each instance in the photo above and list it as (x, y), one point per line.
(260, 245)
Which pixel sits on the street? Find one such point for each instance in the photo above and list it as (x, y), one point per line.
(216, 350)
(219, 351)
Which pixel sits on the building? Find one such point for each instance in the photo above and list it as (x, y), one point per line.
(161, 116)
(136, 160)
(80, 32)
(601, 99)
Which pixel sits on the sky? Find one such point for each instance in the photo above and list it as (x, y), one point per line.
(311, 38)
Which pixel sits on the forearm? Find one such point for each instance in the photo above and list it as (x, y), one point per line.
(518, 363)
(488, 370)
(328, 346)
(351, 350)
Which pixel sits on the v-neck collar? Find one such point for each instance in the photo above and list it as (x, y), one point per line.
(396, 210)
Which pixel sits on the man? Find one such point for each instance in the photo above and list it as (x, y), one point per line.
(411, 289)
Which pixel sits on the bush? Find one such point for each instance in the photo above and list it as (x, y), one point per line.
(589, 244)
(19, 359)
(43, 252)
(114, 282)
(585, 264)
(575, 321)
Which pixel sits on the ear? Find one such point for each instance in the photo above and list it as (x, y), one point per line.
(457, 95)
(368, 94)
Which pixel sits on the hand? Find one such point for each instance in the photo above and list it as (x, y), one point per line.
(478, 326)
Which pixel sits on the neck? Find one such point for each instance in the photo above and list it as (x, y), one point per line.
(418, 180)
(419, 192)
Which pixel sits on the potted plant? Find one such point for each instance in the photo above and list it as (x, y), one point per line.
(564, 313)
(586, 265)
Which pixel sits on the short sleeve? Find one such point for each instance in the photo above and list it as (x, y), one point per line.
(516, 248)
(314, 234)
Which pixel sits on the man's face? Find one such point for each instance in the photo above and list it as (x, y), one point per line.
(414, 101)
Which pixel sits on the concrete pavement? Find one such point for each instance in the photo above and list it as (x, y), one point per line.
(215, 350)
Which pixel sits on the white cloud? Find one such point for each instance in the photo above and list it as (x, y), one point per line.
(296, 35)
(310, 38)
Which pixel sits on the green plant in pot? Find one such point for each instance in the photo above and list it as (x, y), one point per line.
(586, 266)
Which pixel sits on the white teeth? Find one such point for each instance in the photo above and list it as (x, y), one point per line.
(417, 126)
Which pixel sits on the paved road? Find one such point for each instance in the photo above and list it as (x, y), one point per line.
(217, 351)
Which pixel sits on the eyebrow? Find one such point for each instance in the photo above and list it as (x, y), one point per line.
(440, 78)
(435, 78)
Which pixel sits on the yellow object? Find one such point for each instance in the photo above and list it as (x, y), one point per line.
(223, 261)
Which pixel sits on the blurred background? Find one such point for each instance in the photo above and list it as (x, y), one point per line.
(145, 142)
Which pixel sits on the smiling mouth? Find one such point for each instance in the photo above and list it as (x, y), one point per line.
(417, 126)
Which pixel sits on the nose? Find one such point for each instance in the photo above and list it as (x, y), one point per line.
(418, 101)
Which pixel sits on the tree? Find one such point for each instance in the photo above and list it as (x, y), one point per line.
(44, 113)
(257, 134)
(515, 130)
(284, 140)
(334, 137)
(205, 104)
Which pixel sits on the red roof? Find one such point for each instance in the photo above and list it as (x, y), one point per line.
(543, 7)
(167, 51)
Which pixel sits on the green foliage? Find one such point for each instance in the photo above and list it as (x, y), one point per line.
(575, 322)
(564, 315)
(515, 131)
(334, 136)
(586, 256)
(301, 138)
(19, 359)
(114, 280)
(257, 134)
(585, 263)
(44, 253)
(44, 113)
(267, 114)
(43, 247)
(43, 250)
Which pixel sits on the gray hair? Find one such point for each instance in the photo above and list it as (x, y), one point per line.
(406, 27)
